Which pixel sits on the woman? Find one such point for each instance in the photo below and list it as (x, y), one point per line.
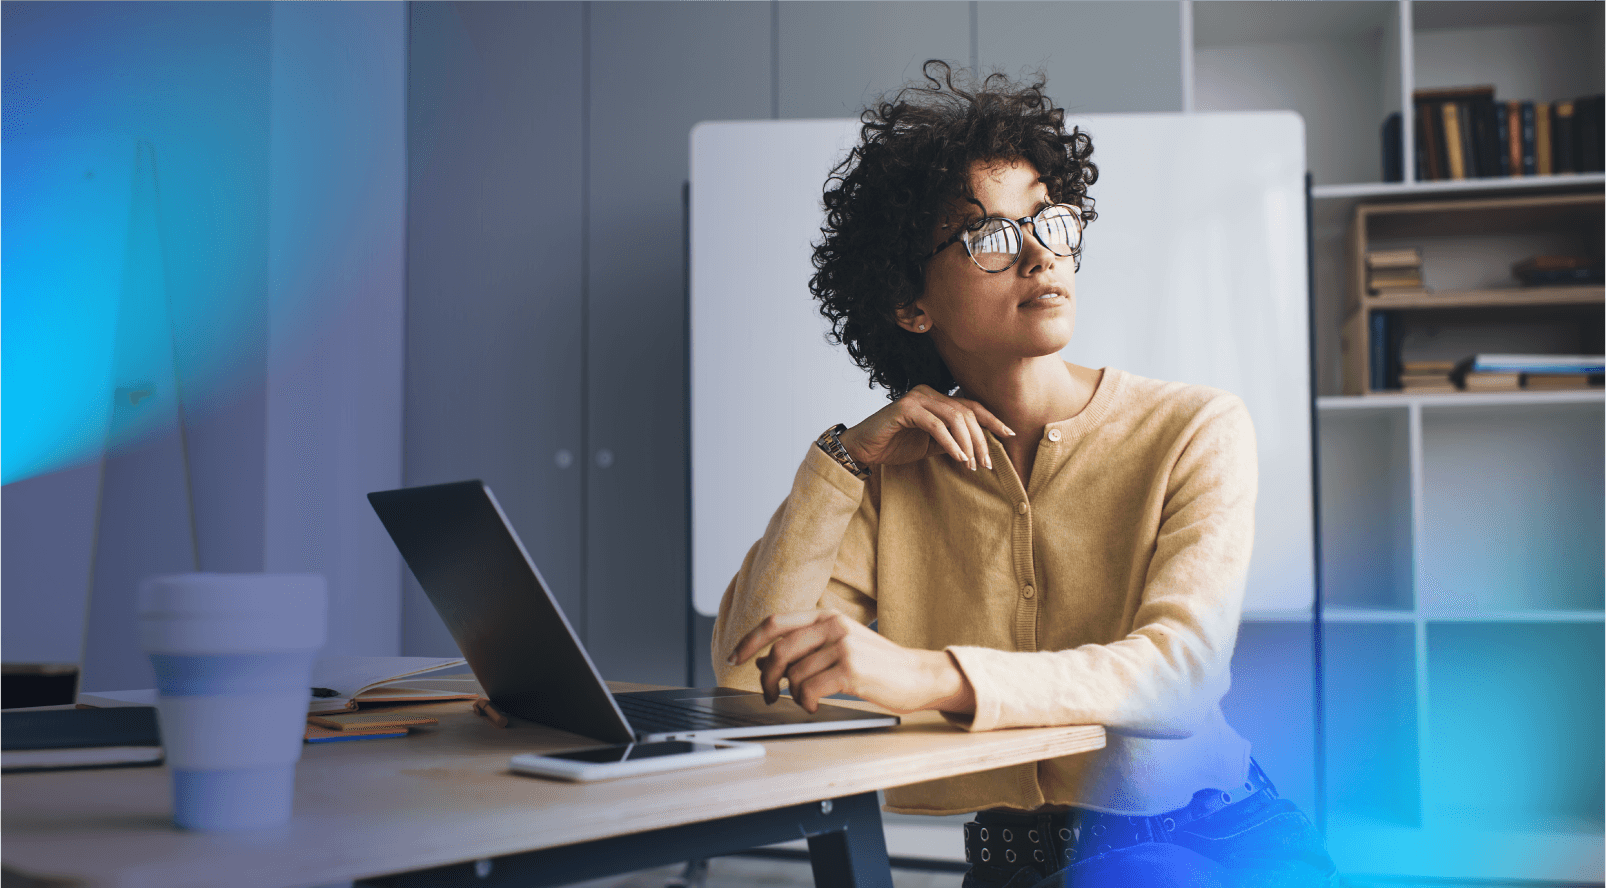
(1040, 543)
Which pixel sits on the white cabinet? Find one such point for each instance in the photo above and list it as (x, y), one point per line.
(1461, 535)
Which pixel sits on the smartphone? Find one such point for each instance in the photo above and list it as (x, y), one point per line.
(630, 759)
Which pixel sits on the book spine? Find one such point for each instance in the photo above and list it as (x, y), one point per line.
(1502, 138)
(1514, 137)
(1488, 131)
(1561, 138)
(1377, 349)
(1393, 161)
(1530, 165)
(1469, 141)
(1451, 118)
(1588, 144)
(1427, 140)
(1542, 138)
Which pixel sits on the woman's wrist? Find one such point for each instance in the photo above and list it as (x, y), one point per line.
(952, 691)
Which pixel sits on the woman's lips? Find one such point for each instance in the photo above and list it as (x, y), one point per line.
(1046, 300)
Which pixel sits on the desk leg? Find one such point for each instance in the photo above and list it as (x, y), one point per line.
(846, 847)
(856, 854)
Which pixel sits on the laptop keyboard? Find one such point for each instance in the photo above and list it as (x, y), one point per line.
(660, 717)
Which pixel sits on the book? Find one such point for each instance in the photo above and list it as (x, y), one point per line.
(1430, 147)
(1423, 367)
(1561, 382)
(1451, 119)
(354, 681)
(1393, 149)
(1561, 138)
(358, 680)
(1394, 279)
(1553, 270)
(1530, 165)
(1491, 382)
(1542, 158)
(1514, 138)
(57, 739)
(1587, 138)
(1409, 257)
(1501, 138)
(1383, 353)
(1533, 363)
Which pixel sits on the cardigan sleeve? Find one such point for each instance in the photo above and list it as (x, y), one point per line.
(817, 552)
(1171, 669)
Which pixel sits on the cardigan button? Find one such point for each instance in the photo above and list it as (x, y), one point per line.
(1022, 508)
(1053, 434)
(1027, 591)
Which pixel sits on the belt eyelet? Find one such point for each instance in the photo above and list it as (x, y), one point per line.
(967, 855)
(986, 855)
(1226, 798)
(1169, 824)
(1037, 855)
(1098, 829)
(1009, 855)
(1103, 848)
(1248, 787)
(1009, 837)
(1033, 836)
(1065, 834)
(984, 835)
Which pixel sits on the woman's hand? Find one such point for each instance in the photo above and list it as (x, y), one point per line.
(825, 652)
(902, 431)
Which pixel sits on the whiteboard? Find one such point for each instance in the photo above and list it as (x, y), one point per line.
(1194, 271)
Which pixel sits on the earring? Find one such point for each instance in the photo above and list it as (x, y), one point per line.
(922, 328)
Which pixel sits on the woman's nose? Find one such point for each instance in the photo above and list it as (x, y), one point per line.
(1034, 257)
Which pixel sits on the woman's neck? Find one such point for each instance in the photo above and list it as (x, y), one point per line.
(1028, 395)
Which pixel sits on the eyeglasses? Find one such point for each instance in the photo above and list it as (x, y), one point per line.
(994, 243)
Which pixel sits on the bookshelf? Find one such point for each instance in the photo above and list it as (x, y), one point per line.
(1463, 609)
(1468, 245)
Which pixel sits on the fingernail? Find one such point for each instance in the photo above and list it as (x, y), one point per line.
(1010, 431)
(989, 464)
(730, 660)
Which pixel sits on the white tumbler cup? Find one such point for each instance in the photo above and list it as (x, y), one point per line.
(233, 657)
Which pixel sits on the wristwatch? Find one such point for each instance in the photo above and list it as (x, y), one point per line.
(831, 442)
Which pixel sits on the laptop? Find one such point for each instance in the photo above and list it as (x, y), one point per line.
(459, 544)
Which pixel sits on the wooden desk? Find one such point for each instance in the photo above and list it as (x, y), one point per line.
(440, 802)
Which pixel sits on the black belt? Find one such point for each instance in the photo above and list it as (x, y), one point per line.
(1050, 842)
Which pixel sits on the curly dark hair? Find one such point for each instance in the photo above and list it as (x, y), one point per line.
(911, 167)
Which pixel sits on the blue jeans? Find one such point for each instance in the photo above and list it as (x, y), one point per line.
(1254, 841)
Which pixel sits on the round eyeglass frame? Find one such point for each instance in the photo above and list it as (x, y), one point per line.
(1075, 254)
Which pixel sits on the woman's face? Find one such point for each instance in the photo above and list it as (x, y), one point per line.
(981, 319)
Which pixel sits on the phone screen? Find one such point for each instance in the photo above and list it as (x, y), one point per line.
(630, 751)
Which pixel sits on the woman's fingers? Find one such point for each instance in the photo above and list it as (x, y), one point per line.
(803, 676)
(973, 428)
(933, 425)
(765, 633)
(988, 420)
(788, 650)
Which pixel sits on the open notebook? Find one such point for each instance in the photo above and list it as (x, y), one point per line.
(356, 681)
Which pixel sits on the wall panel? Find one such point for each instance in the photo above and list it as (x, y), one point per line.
(836, 57)
(1100, 55)
(655, 70)
(495, 275)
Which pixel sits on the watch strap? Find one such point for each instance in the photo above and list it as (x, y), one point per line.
(830, 441)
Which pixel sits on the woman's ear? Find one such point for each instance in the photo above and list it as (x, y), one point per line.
(913, 318)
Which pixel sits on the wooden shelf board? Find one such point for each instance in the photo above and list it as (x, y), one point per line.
(1464, 186)
(1514, 616)
(1366, 615)
(1524, 297)
(1401, 401)
(1278, 615)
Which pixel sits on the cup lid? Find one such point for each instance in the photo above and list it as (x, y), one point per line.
(218, 593)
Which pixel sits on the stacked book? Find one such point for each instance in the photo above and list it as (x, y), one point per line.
(1427, 377)
(1394, 272)
(1464, 133)
(1507, 373)
(1538, 271)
